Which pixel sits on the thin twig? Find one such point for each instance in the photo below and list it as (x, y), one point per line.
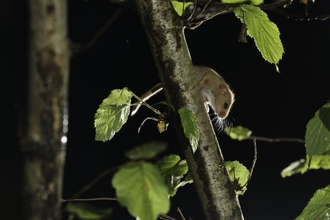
(141, 102)
(204, 7)
(179, 210)
(254, 161)
(166, 217)
(93, 182)
(219, 8)
(270, 140)
(193, 12)
(99, 33)
(90, 199)
(193, 25)
(277, 8)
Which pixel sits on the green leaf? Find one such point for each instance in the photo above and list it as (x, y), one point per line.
(112, 114)
(238, 133)
(318, 208)
(264, 32)
(294, 168)
(319, 161)
(189, 124)
(173, 170)
(85, 210)
(146, 151)
(317, 132)
(303, 165)
(253, 2)
(140, 187)
(180, 6)
(238, 175)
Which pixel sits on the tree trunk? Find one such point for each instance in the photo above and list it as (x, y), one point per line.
(44, 142)
(164, 30)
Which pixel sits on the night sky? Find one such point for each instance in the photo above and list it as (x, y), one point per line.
(269, 103)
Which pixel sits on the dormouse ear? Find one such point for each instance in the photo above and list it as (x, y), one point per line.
(223, 88)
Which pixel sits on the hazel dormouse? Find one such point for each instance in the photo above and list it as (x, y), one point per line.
(215, 91)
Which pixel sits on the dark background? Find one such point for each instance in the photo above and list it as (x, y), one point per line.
(271, 104)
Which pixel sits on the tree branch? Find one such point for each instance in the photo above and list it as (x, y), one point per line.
(164, 31)
(271, 140)
(93, 182)
(195, 15)
(44, 140)
(99, 33)
(90, 199)
(278, 7)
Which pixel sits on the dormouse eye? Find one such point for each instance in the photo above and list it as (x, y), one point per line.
(225, 105)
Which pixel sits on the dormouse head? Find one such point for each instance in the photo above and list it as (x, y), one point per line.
(223, 100)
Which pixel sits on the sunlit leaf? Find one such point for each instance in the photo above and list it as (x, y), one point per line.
(238, 133)
(318, 132)
(319, 161)
(303, 165)
(189, 124)
(318, 207)
(84, 210)
(239, 175)
(112, 114)
(180, 6)
(173, 170)
(264, 32)
(140, 188)
(294, 168)
(146, 151)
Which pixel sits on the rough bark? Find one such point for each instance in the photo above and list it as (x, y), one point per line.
(164, 31)
(44, 143)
